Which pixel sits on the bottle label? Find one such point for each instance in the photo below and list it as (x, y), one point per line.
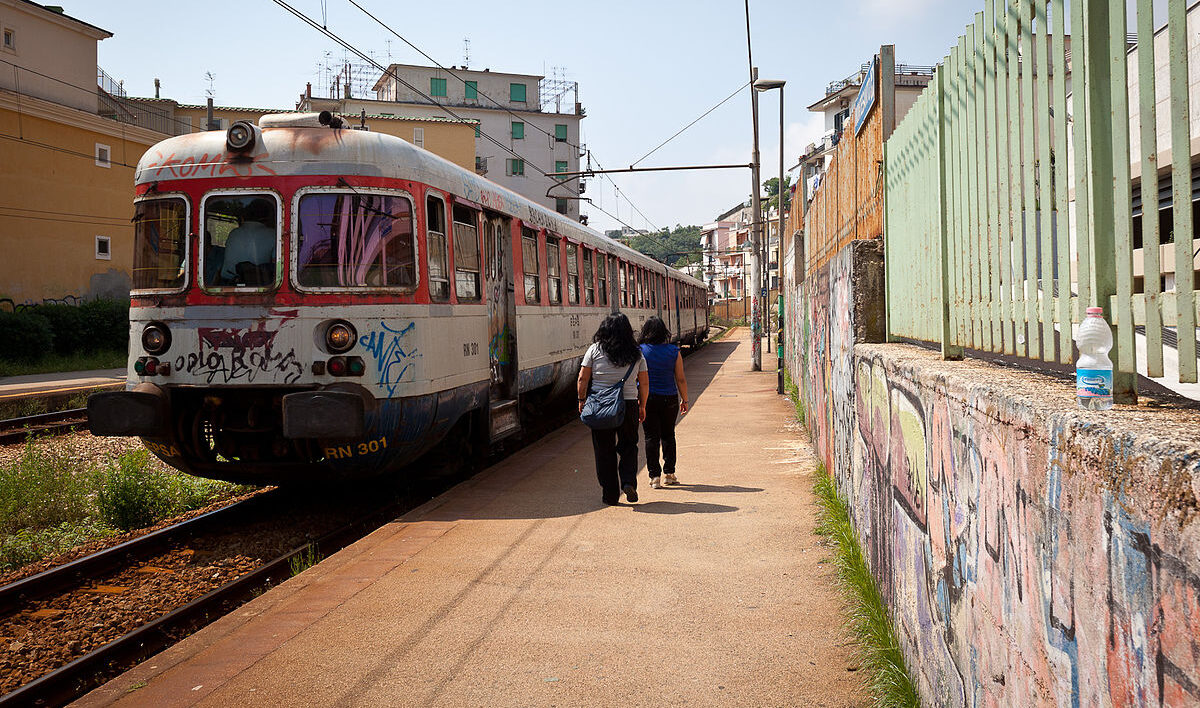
(1090, 383)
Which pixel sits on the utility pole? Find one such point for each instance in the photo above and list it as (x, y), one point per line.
(755, 240)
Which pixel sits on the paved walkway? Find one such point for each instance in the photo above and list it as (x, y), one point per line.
(519, 588)
(65, 382)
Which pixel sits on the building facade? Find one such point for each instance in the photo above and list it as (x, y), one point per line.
(526, 133)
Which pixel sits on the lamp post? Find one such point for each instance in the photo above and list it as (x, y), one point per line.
(755, 230)
(767, 85)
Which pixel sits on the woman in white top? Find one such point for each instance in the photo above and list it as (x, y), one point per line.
(613, 352)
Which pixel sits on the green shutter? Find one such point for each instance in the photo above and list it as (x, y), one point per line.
(560, 133)
(472, 89)
(560, 165)
(437, 87)
(476, 130)
(518, 130)
(516, 93)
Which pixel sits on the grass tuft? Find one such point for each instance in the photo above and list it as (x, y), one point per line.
(305, 559)
(875, 645)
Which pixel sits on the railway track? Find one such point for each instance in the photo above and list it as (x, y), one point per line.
(15, 430)
(102, 614)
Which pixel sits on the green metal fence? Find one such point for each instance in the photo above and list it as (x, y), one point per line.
(1010, 188)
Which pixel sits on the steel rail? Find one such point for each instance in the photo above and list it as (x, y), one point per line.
(17, 429)
(61, 577)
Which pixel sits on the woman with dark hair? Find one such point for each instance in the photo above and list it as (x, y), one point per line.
(613, 354)
(668, 398)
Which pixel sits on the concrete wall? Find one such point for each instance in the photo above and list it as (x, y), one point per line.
(55, 200)
(1030, 553)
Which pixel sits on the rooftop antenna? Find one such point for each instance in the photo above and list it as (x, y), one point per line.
(211, 79)
(466, 52)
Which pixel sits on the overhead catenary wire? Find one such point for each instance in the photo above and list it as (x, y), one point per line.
(684, 128)
(387, 72)
(496, 103)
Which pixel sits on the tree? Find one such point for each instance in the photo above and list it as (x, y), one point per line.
(772, 187)
(676, 247)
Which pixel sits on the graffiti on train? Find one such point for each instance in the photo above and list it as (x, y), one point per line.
(243, 355)
(393, 352)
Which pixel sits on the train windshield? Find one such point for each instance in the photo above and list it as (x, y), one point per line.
(160, 242)
(356, 240)
(241, 236)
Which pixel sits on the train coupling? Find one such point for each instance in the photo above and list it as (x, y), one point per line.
(142, 412)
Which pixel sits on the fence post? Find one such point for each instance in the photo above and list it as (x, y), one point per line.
(950, 350)
(1108, 147)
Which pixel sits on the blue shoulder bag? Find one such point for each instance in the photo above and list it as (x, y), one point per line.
(605, 409)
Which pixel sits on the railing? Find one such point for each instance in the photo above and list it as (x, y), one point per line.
(109, 84)
(1009, 201)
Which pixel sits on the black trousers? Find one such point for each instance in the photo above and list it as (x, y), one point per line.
(659, 426)
(617, 454)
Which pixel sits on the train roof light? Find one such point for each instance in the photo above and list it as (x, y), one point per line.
(240, 136)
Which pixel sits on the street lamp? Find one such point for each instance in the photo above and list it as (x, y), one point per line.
(767, 85)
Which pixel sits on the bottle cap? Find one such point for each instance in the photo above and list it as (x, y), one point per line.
(1095, 310)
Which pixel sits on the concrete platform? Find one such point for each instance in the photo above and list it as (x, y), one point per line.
(58, 383)
(519, 588)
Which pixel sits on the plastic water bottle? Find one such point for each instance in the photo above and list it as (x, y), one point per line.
(1094, 370)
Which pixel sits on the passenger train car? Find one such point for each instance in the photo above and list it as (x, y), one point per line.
(316, 302)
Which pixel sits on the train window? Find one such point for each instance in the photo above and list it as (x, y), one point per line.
(529, 263)
(553, 272)
(602, 277)
(435, 242)
(572, 274)
(160, 242)
(623, 284)
(589, 282)
(241, 240)
(352, 240)
(466, 254)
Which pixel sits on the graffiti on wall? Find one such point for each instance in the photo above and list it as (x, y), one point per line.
(1016, 574)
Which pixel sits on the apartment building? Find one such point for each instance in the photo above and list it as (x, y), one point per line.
(527, 128)
(66, 179)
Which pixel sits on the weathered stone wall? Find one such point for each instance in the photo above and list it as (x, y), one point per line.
(1030, 552)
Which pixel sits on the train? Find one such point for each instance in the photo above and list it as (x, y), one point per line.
(313, 301)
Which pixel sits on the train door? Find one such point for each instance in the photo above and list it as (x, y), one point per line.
(502, 326)
(674, 295)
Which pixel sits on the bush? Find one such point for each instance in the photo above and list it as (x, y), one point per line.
(30, 546)
(42, 488)
(132, 495)
(25, 336)
(92, 326)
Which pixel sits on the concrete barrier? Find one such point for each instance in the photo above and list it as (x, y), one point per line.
(1030, 552)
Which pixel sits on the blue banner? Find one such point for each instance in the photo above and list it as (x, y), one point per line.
(865, 99)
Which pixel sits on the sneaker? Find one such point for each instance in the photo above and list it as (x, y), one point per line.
(611, 501)
(630, 493)
(670, 479)
(656, 483)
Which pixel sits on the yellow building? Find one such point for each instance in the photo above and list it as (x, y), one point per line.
(69, 142)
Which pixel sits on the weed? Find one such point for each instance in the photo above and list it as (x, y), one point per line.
(104, 359)
(133, 494)
(875, 645)
(32, 545)
(305, 559)
(42, 488)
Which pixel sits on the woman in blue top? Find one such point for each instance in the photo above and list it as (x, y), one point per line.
(668, 398)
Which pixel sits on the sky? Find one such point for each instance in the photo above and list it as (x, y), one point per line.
(645, 70)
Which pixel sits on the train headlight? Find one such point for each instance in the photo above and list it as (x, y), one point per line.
(156, 338)
(240, 136)
(340, 336)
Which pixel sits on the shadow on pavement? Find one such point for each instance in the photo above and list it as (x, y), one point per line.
(713, 488)
(666, 507)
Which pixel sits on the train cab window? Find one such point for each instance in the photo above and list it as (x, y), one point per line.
(553, 272)
(435, 243)
(589, 281)
(602, 277)
(466, 253)
(160, 242)
(241, 240)
(572, 274)
(355, 240)
(530, 265)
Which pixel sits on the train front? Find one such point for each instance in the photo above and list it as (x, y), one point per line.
(275, 326)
